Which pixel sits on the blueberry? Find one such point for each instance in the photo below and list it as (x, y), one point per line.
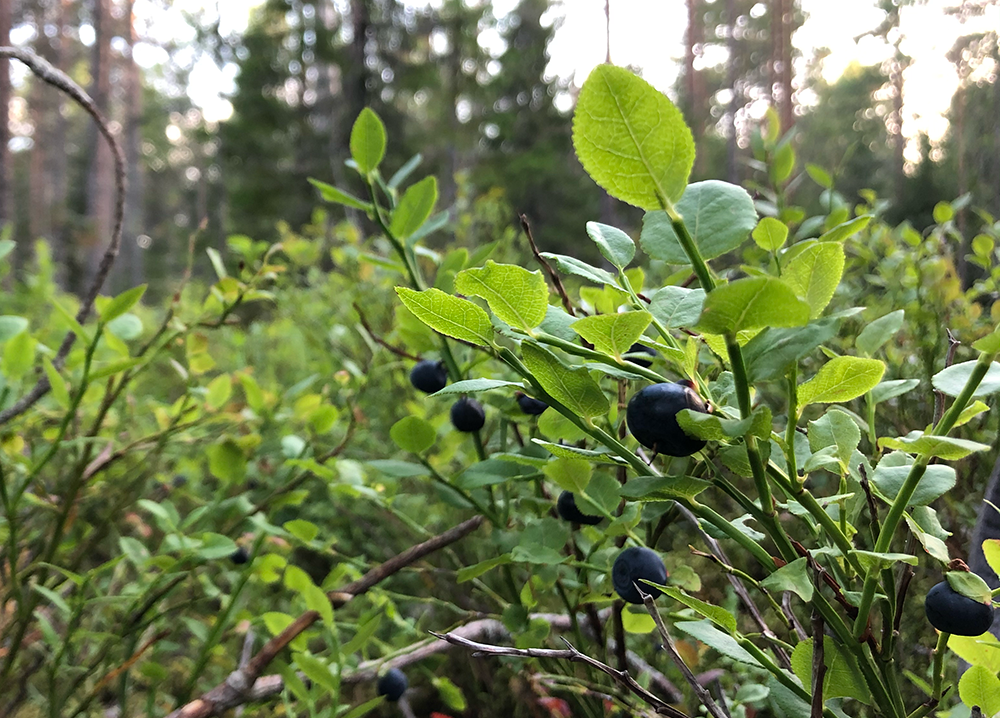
(652, 418)
(392, 684)
(641, 349)
(951, 612)
(468, 415)
(429, 376)
(568, 511)
(633, 564)
(240, 556)
(529, 405)
(179, 481)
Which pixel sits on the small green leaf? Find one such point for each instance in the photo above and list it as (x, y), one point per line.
(470, 572)
(989, 344)
(952, 380)
(122, 303)
(473, 386)
(518, 297)
(126, 327)
(677, 307)
(837, 430)
(943, 447)
(769, 354)
(11, 326)
(413, 434)
(872, 561)
(59, 390)
(368, 141)
(332, 194)
(574, 452)
(944, 213)
(226, 461)
(663, 488)
(571, 475)
(631, 139)
(316, 670)
(815, 273)
(750, 303)
(452, 316)
(18, 356)
(573, 388)
(970, 585)
(841, 379)
(414, 207)
(886, 390)
(770, 234)
(792, 577)
(724, 643)
(450, 693)
(613, 334)
(877, 333)
(717, 615)
(364, 633)
(991, 550)
(616, 246)
(820, 176)
(219, 391)
(971, 412)
(971, 650)
(718, 216)
(843, 676)
(303, 530)
(846, 229)
(978, 686)
(572, 265)
(541, 541)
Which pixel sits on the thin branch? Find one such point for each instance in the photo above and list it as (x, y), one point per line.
(378, 339)
(818, 662)
(568, 654)
(60, 80)
(556, 281)
(237, 688)
(953, 344)
(703, 696)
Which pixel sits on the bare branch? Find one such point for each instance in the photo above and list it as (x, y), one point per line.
(556, 281)
(60, 80)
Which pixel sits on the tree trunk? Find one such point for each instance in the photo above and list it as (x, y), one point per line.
(787, 28)
(732, 174)
(6, 201)
(132, 266)
(100, 181)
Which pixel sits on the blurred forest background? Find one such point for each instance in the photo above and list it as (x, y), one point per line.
(487, 118)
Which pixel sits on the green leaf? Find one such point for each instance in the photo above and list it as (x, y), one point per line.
(663, 488)
(872, 561)
(227, 462)
(572, 265)
(978, 686)
(877, 333)
(718, 216)
(971, 412)
(11, 326)
(452, 316)
(414, 207)
(970, 585)
(332, 194)
(792, 577)
(571, 475)
(364, 708)
(991, 550)
(677, 307)
(470, 572)
(368, 141)
(403, 172)
(971, 650)
(473, 386)
(770, 234)
(215, 546)
(631, 139)
(122, 303)
(846, 229)
(989, 344)
(890, 389)
(935, 547)
(769, 354)
(641, 623)
(219, 391)
(126, 327)
(301, 529)
(573, 388)
(613, 334)
(316, 670)
(603, 456)
(783, 163)
(217, 264)
(717, 615)
(399, 469)
(952, 380)
(843, 678)
(815, 273)
(541, 542)
(107, 369)
(364, 633)
(820, 176)
(413, 434)
(750, 303)
(59, 390)
(616, 246)
(841, 379)
(943, 447)
(6, 246)
(518, 297)
(725, 644)
(837, 430)
(18, 356)
(450, 693)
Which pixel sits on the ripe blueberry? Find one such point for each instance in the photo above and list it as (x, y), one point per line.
(467, 415)
(392, 684)
(633, 564)
(240, 556)
(529, 405)
(652, 418)
(568, 511)
(429, 376)
(951, 612)
(641, 349)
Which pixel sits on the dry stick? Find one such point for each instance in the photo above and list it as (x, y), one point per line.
(378, 339)
(60, 80)
(235, 689)
(786, 604)
(668, 644)
(569, 654)
(556, 281)
(953, 344)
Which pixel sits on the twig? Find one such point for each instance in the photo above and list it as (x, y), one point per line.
(236, 689)
(818, 662)
(786, 605)
(378, 339)
(953, 344)
(60, 80)
(556, 281)
(568, 654)
(700, 692)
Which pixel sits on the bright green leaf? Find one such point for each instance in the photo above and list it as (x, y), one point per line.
(368, 141)
(815, 273)
(574, 388)
(792, 577)
(878, 332)
(841, 379)
(952, 380)
(122, 303)
(413, 434)
(750, 303)
(414, 207)
(613, 334)
(332, 194)
(770, 234)
(616, 246)
(452, 316)
(978, 686)
(518, 297)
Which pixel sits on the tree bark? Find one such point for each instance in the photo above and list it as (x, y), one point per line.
(132, 270)
(100, 181)
(6, 201)
(732, 173)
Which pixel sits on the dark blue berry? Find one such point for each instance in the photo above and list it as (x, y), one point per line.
(568, 511)
(637, 563)
(529, 405)
(652, 418)
(951, 612)
(392, 684)
(468, 415)
(429, 376)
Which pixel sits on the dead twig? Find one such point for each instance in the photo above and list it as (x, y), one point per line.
(378, 339)
(556, 281)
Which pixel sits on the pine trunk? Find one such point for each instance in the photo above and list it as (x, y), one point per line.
(100, 182)
(132, 253)
(6, 201)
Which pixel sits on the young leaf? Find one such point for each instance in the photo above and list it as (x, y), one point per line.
(952, 380)
(122, 303)
(724, 643)
(11, 326)
(571, 475)
(750, 303)
(515, 295)
(414, 207)
(770, 234)
(880, 331)
(677, 306)
(613, 334)
(616, 246)
(332, 194)
(846, 229)
(815, 273)
(841, 379)
(792, 577)
(18, 356)
(452, 316)
(572, 265)
(979, 686)
(413, 434)
(943, 447)
(718, 215)
(368, 141)
(58, 384)
(571, 387)
(631, 139)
